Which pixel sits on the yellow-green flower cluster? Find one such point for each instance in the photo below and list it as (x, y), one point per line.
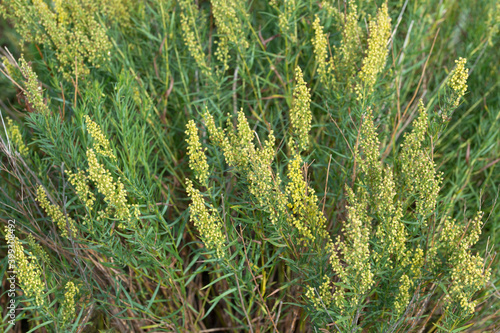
(191, 37)
(242, 141)
(374, 62)
(56, 214)
(320, 45)
(468, 274)
(264, 186)
(229, 27)
(33, 89)
(79, 181)
(226, 16)
(28, 271)
(418, 169)
(404, 294)
(16, 138)
(113, 191)
(324, 297)
(68, 307)
(101, 143)
(300, 114)
(209, 226)
(297, 191)
(255, 164)
(391, 231)
(370, 164)
(412, 262)
(458, 81)
(349, 51)
(355, 246)
(307, 218)
(286, 18)
(197, 159)
(70, 28)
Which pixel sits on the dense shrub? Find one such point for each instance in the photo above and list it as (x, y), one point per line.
(250, 166)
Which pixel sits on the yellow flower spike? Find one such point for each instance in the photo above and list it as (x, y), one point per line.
(468, 274)
(285, 18)
(374, 62)
(16, 138)
(370, 164)
(349, 52)
(403, 297)
(296, 190)
(113, 191)
(64, 27)
(418, 169)
(320, 45)
(28, 271)
(323, 297)
(56, 214)
(33, 89)
(68, 307)
(229, 27)
(300, 115)
(209, 226)
(229, 24)
(79, 181)
(189, 15)
(458, 81)
(197, 159)
(101, 143)
(355, 247)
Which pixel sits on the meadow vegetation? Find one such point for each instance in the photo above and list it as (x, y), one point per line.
(250, 166)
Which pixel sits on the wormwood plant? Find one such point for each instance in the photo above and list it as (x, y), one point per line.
(264, 166)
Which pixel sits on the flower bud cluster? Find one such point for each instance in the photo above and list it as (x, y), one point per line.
(28, 271)
(79, 181)
(374, 62)
(320, 45)
(101, 143)
(56, 214)
(355, 247)
(65, 28)
(300, 114)
(390, 231)
(33, 89)
(229, 27)
(209, 226)
(418, 169)
(468, 273)
(286, 18)
(113, 191)
(349, 51)
(68, 307)
(197, 159)
(458, 81)
(189, 15)
(404, 294)
(324, 297)
(16, 138)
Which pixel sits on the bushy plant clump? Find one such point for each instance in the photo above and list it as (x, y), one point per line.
(281, 166)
